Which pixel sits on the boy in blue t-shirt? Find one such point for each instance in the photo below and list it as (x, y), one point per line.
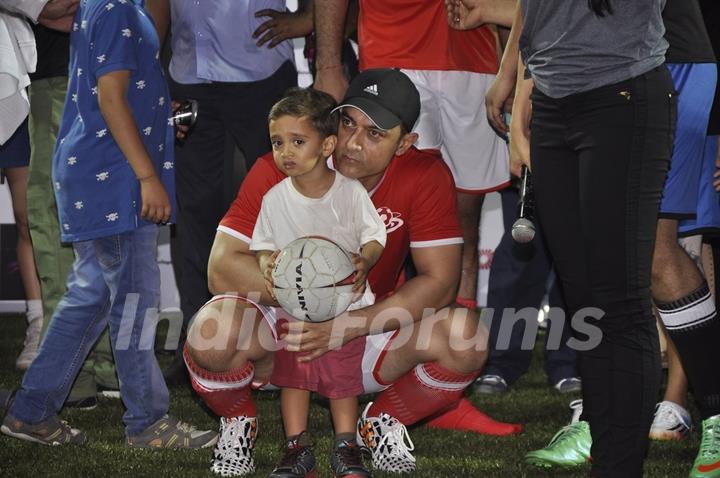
(113, 178)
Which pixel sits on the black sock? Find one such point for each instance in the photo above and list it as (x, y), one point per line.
(694, 326)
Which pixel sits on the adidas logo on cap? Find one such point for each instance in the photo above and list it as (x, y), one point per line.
(372, 89)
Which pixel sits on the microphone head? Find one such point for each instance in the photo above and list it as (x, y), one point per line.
(523, 231)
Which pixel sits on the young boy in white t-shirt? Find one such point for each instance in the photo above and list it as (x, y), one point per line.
(316, 200)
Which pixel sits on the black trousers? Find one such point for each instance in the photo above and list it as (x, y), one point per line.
(518, 279)
(600, 159)
(230, 116)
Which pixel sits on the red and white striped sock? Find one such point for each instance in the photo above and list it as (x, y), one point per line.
(225, 393)
(422, 391)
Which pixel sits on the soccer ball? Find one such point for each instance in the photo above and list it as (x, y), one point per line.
(313, 279)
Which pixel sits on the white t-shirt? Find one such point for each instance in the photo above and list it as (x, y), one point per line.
(345, 214)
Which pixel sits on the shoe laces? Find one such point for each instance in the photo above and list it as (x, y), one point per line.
(397, 439)
(567, 432)
(668, 416)
(350, 454)
(710, 444)
(229, 441)
(186, 427)
(292, 452)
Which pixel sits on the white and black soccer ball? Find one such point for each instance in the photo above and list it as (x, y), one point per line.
(313, 279)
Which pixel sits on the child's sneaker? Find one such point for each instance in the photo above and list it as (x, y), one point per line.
(169, 432)
(346, 461)
(52, 431)
(298, 461)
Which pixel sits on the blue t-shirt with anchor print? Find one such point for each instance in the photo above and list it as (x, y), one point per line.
(96, 189)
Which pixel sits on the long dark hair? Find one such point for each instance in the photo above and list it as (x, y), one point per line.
(600, 7)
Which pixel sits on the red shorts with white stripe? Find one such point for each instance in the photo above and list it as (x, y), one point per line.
(349, 371)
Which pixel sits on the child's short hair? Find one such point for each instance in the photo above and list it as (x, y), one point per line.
(314, 104)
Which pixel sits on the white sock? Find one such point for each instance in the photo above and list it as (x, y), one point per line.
(34, 309)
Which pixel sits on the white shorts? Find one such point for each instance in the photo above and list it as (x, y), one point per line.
(453, 121)
(375, 347)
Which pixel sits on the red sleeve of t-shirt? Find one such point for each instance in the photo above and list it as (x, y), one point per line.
(434, 217)
(239, 220)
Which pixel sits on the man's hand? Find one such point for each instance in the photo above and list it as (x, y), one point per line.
(155, 201)
(58, 14)
(498, 100)
(282, 26)
(464, 14)
(315, 338)
(181, 130)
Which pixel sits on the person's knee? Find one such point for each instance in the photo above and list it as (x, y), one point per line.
(214, 334)
(467, 339)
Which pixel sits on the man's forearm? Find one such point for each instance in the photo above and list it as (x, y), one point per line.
(230, 270)
(329, 26)
(434, 287)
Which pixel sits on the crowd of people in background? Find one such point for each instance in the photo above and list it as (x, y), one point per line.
(613, 106)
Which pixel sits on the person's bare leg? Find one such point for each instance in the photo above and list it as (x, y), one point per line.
(17, 180)
(674, 272)
(469, 209)
(677, 386)
(295, 407)
(344, 416)
(228, 333)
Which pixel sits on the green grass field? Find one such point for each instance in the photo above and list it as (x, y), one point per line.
(439, 454)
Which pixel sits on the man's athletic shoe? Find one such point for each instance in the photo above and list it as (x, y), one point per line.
(388, 442)
(233, 454)
(568, 448)
(707, 463)
(52, 431)
(671, 422)
(568, 385)
(170, 432)
(490, 384)
(465, 417)
(346, 461)
(298, 460)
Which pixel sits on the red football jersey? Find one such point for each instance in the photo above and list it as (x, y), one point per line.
(414, 34)
(415, 198)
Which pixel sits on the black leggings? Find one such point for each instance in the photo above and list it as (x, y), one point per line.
(599, 161)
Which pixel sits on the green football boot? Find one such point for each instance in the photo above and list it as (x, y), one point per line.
(707, 463)
(568, 448)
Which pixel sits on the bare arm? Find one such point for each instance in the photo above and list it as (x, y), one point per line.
(112, 94)
(233, 268)
(502, 88)
(520, 124)
(329, 26)
(159, 10)
(283, 25)
(434, 286)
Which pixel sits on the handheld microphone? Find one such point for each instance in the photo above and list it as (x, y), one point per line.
(523, 229)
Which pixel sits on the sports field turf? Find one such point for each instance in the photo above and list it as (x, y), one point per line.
(439, 454)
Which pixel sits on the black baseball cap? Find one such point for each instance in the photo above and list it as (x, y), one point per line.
(386, 96)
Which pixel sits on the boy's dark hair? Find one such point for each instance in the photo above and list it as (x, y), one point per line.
(315, 105)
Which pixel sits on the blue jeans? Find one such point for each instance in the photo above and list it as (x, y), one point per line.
(118, 274)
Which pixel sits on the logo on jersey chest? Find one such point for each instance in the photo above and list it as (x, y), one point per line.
(392, 220)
